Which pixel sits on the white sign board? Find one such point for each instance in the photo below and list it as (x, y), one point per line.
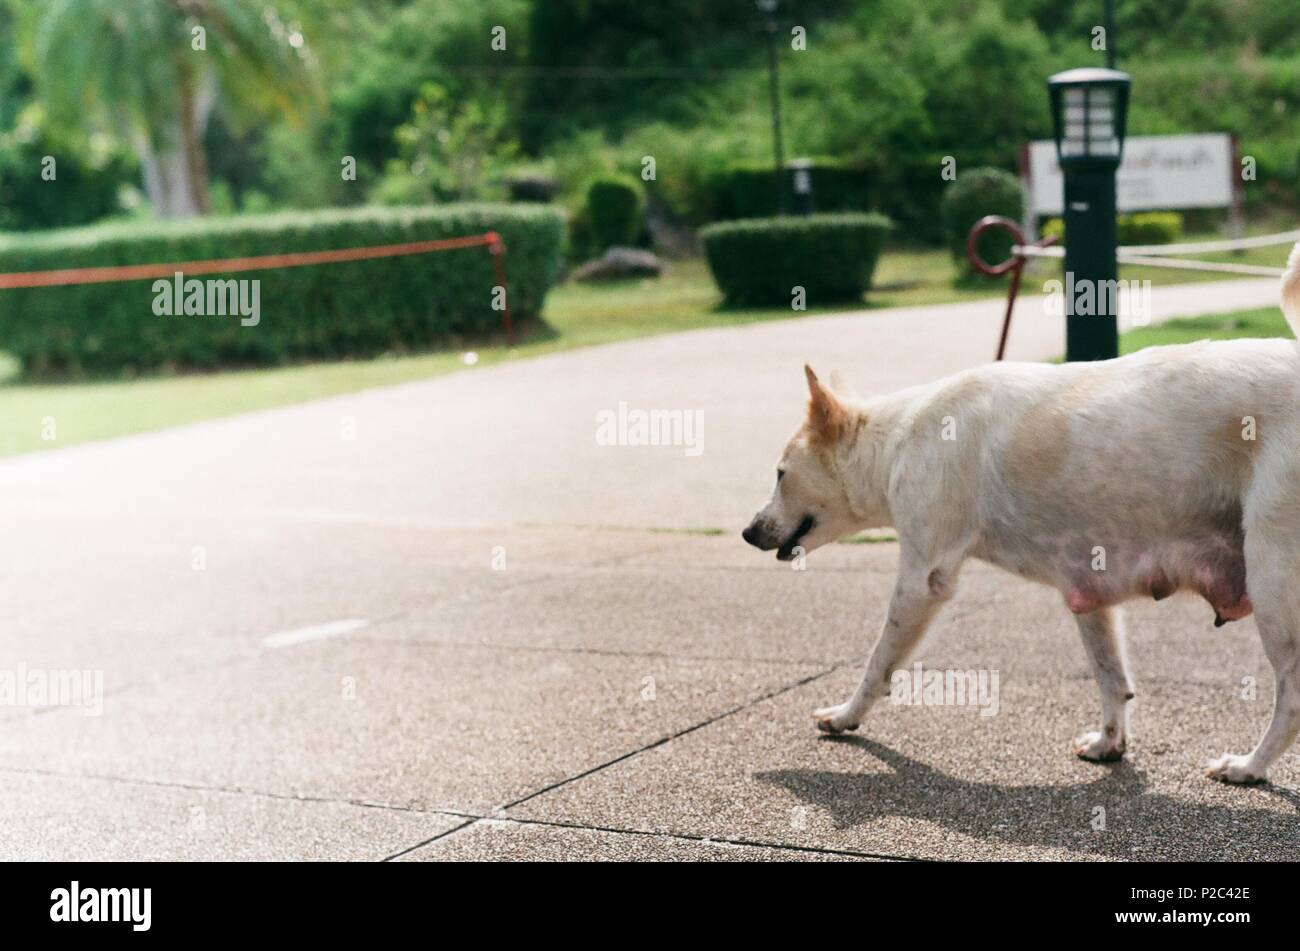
(1157, 172)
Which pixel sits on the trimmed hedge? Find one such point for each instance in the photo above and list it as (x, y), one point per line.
(761, 260)
(747, 189)
(615, 210)
(980, 192)
(1150, 227)
(1144, 227)
(324, 311)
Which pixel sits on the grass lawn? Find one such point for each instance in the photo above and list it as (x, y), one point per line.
(576, 316)
(1265, 322)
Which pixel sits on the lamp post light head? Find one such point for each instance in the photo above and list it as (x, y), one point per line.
(767, 6)
(801, 174)
(802, 185)
(1089, 112)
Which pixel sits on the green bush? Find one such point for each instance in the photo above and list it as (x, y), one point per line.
(323, 311)
(976, 193)
(1150, 227)
(81, 193)
(1145, 227)
(615, 210)
(748, 189)
(759, 261)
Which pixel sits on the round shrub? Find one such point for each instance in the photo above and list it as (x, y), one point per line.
(615, 210)
(976, 193)
(760, 261)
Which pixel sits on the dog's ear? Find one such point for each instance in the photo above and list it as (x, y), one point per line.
(827, 417)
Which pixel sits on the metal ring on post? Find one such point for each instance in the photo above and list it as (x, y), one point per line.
(972, 241)
(1015, 264)
(497, 248)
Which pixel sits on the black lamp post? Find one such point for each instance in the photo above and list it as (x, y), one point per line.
(768, 9)
(1108, 18)
(1089, 109)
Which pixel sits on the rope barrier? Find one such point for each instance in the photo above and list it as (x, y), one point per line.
(135, 272)
(1125, 256)
(1186, 265)
(1035, 251)
(1168, 250)
(1146, 255)
(1214, 247)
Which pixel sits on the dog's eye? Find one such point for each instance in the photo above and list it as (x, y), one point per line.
(780, 474)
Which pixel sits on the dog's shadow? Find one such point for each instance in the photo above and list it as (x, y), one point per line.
(1137, 824)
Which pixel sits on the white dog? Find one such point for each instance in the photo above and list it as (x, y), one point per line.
(1179, 466)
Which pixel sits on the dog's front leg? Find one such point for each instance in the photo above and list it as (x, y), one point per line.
(1103, 639)
(918, 594)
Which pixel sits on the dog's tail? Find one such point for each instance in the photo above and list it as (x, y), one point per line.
(1291, 291)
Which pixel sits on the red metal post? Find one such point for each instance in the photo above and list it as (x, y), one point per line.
(498, 250)
(1012, 291)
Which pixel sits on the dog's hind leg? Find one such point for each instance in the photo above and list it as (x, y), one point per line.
(1103, 640)
(918, 593)
(1271, 568)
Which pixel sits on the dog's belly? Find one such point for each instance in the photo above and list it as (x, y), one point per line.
(1093, 574)
(1213, 567)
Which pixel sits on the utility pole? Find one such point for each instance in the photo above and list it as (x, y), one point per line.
(768, 9)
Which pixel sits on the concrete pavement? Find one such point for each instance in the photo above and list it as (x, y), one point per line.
(437, 621)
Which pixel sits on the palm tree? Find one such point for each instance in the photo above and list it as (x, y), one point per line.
(151, 71)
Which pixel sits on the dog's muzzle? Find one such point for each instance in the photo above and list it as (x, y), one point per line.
(786, 551)
(754, 535)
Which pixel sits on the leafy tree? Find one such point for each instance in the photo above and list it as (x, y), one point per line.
(394, 52)
(153, 70)
(1145, 27)
(616, 64)
(449, 151)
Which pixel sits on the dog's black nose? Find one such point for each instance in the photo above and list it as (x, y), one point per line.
(750, 536)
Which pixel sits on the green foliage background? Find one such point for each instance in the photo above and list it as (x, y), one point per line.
(588, 87)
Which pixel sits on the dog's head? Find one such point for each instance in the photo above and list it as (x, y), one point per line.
(810, 505)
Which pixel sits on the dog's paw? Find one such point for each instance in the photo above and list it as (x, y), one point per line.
(834, 719)
(1097, 747)
(1233, 769)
